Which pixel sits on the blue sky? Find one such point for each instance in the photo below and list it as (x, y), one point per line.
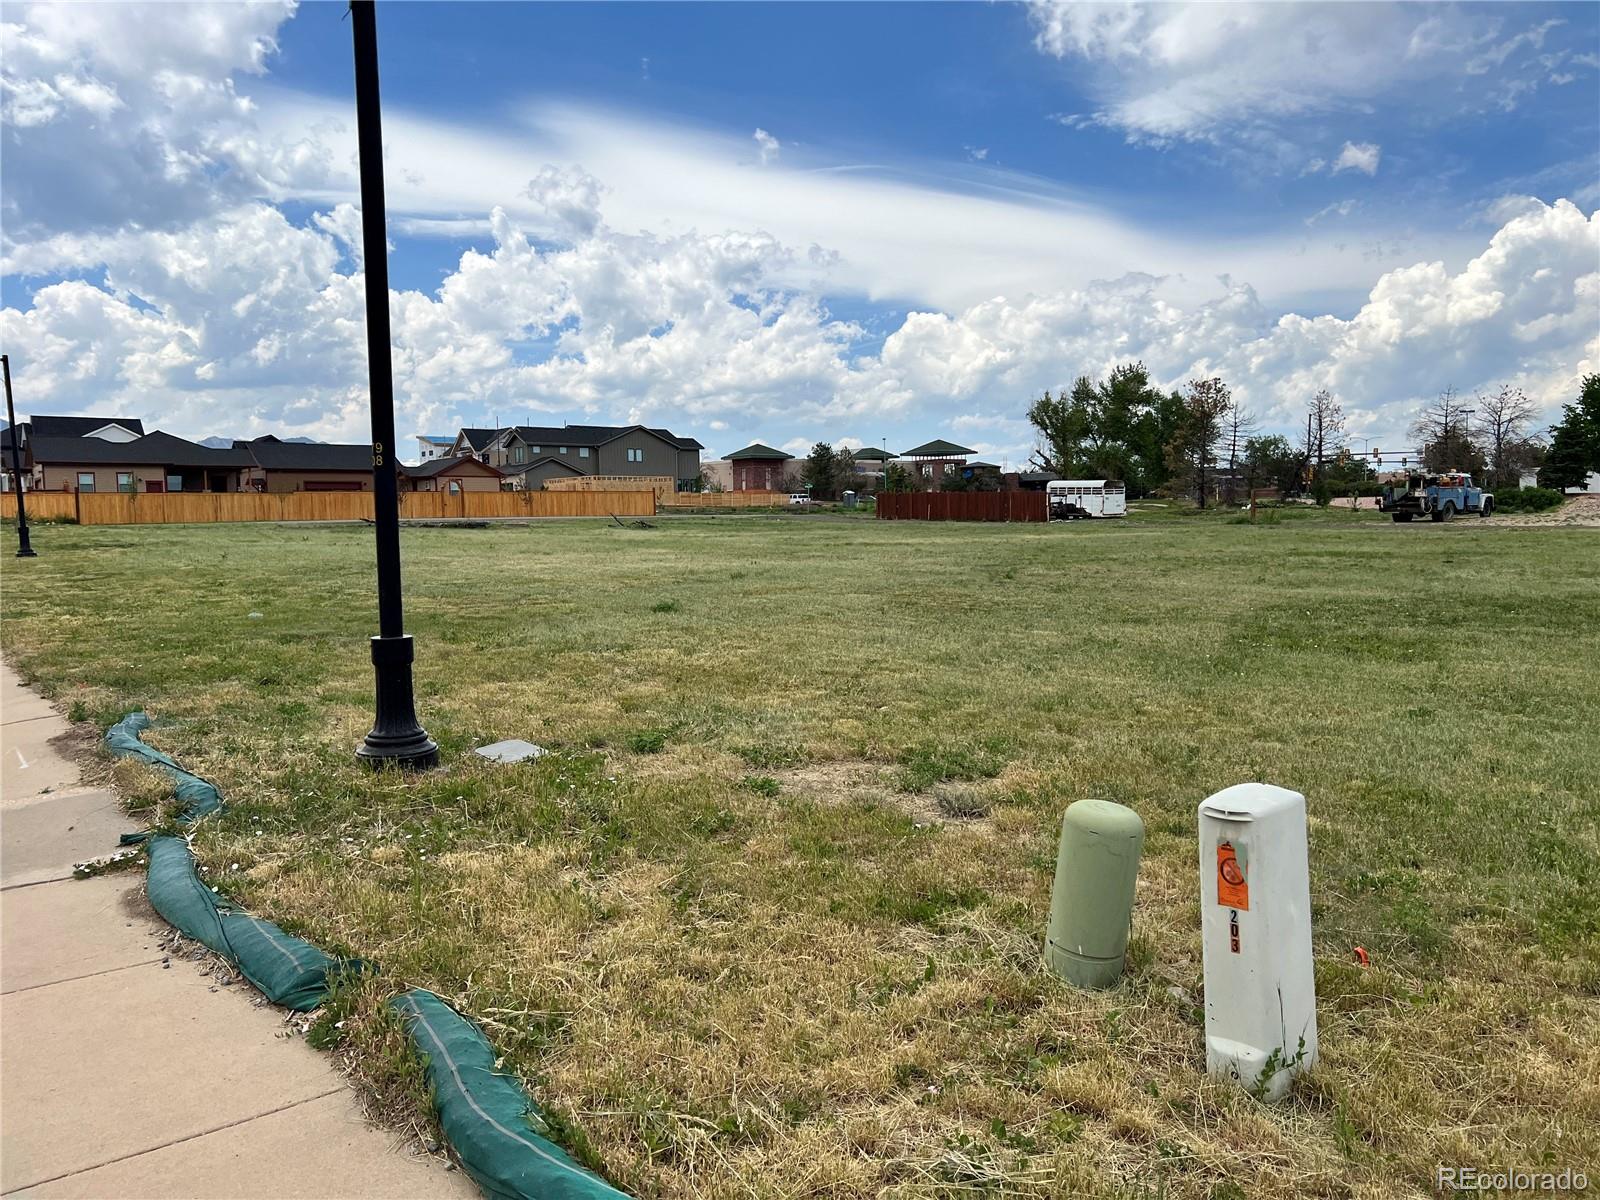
(800, 222)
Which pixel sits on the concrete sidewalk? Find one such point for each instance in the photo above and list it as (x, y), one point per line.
(123, 1074)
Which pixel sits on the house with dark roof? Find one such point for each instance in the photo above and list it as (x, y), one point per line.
(474, 442)
(279, 466)
(151, 462)
(759, 468)
(530, 454)
(463, 474)
(109, 429)
(932, 461)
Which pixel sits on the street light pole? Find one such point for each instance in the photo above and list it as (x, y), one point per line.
(24, 546)
(396, 737)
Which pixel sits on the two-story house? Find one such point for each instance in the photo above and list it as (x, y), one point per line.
(531, 454)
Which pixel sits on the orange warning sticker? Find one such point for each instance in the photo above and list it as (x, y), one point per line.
(1233, 890)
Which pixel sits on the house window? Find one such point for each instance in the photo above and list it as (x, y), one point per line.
(455, 488)
(86, 481)
(534, 449)
(583, 452)
(927, 471)
(636, 456)
(949, 468)
(516, 454)
(174, 483)
(563, 449)
(124, 481)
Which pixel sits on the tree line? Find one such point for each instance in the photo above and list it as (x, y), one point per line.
(1199, 441)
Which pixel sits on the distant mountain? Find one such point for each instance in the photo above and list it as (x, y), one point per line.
(222, 443)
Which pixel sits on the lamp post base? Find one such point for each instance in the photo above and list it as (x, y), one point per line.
(27, 552)
(396, 738)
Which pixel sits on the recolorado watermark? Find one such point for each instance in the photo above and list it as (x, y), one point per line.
(1512, 1179)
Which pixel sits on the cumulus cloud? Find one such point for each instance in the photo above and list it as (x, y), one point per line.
(247, 322)
(123, 113)
(1358, 156)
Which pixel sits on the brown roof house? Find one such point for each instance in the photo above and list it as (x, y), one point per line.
(464, 474)
(759, 468)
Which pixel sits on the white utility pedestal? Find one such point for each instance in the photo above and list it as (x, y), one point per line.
(1255, 925)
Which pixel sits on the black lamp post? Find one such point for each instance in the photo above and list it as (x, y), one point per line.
(396, 737)
(24, 546)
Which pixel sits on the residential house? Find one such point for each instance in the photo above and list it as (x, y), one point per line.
(759, 468)
(530, 454)
(932, 461)
(279, 466)
(430, 447)
(474, 442)
(110, 429)
(464, 474)
(152, 462)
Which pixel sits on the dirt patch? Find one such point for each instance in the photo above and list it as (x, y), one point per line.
(79, 743)
(1580, 511)
(859, 781)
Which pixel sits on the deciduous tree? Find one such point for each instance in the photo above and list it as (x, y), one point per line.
(1502, 433)
(1191, 452)
(1443, 436)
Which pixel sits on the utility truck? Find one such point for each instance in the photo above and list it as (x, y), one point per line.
(1071, 499)
(1438, 497)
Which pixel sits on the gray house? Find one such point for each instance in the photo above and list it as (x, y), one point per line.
(531, 454)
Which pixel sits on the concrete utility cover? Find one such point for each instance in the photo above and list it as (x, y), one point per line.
(515, 750)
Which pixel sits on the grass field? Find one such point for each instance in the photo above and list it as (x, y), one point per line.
(768, 922)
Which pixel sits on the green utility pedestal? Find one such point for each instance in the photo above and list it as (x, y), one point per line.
(1091, 904)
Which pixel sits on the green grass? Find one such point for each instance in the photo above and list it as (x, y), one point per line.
(767, 920)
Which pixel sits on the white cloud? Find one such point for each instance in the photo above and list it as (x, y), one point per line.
(1242, 70)
(977, 153)
(1358, 156)
(698, 331)
(1340, 208)
(127, 113)
(766, 146)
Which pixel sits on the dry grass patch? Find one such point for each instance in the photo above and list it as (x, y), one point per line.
(743, 929)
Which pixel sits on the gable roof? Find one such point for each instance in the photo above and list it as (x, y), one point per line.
(153, 449)
(478, 438)
(938, 448)
(524, 468)
(66, 427)
(273, 455)
(757, 450)
(438, 466)
(682, 443)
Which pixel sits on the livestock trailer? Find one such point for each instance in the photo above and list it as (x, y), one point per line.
(1074, 498)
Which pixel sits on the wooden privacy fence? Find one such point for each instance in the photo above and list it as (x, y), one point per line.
(963, 506)
(183, 508)
(724, 499)
(662, 485)
(42, 506)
